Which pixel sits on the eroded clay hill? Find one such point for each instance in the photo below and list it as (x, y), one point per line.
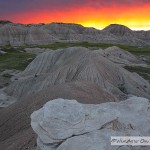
(78, 64)
(18, 34)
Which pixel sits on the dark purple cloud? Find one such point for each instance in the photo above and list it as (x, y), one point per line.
(8, 7)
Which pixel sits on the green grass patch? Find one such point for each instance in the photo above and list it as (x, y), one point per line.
(83, 44)
(142, 71)
(14, 59)
(58, 45)
(133, 49)
(137, 50)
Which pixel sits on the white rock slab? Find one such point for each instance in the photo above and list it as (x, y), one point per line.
(68, 125)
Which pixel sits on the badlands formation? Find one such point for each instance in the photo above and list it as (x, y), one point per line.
(88, 76)
(78, 97)
(18, 34)
(78, 64)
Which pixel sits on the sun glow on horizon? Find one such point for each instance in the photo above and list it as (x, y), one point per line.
(135, 17)
(132, 26)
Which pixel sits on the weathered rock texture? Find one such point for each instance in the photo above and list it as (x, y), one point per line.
(69, 125)
(5, 100)
(36, 51)
(120, 56)
(78, 64)
(15, 120)
(126, 35)
(16, 34)
(72, 73)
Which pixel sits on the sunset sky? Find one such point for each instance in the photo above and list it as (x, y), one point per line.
(91, 13)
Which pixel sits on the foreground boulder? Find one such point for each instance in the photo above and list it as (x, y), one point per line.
(15, 122)
(69, 125)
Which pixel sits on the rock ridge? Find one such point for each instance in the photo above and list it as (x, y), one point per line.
(41, 34)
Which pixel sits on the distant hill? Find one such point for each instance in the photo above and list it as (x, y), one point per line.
(118, 29)
(40, 34)
(5, 22)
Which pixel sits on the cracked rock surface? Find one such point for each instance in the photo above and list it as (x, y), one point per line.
(68, 125)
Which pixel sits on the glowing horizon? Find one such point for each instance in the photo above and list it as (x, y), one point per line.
(97, 14)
